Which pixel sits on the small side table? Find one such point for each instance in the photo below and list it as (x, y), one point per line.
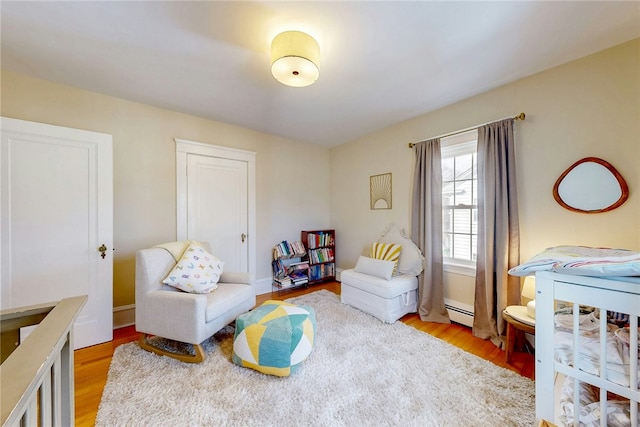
(516, 316)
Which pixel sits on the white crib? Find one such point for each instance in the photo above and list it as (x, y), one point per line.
(619, 295)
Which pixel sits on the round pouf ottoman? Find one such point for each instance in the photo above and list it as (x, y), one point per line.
(275, 338)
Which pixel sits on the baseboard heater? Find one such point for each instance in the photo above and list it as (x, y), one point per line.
(459, 312)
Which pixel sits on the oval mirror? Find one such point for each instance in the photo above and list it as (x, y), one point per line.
(590, 185)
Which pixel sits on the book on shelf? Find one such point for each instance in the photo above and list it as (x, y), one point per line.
(283, 282)
(319, 239)
(279, 269)
(302, 265)
(321, 271)
(286, 249)
(321, 255)
(298, 275)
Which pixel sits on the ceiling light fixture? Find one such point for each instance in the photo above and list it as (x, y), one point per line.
(295, 57)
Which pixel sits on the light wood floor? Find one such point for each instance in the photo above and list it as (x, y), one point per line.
(92, 363)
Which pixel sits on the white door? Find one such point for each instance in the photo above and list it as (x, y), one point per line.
(215, 201)
(56, 212)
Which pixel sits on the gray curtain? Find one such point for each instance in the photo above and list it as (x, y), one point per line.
(426, 230)
(498, 230)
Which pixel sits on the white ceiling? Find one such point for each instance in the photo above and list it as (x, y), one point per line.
(381, 62)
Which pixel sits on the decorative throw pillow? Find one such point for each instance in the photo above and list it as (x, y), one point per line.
(387, 252)
(196, 272)
(374, 267)
(411, 260)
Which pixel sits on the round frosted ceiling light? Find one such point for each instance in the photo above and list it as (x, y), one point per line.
(294, 59)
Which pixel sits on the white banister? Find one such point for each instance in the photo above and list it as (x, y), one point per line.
(36, 380)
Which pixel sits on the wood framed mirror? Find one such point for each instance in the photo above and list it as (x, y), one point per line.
(590, 185)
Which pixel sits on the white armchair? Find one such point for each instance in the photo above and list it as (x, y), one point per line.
(164, 311)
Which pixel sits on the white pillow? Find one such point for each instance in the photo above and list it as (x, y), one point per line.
(411, 259)
(375, 267)
(196, 272)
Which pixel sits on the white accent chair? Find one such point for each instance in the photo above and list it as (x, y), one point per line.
(382, 296)
(164, 311)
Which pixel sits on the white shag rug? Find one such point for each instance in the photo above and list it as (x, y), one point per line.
(361, 373)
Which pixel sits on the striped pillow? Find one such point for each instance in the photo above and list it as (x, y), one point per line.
(387, 252)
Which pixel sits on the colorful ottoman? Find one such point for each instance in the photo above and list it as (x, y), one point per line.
(275, 338)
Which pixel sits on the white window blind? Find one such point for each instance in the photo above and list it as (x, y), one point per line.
(459, 199)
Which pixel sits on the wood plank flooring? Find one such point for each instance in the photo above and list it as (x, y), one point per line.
(92, 363)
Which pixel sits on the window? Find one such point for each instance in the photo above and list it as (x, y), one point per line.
(460, 199)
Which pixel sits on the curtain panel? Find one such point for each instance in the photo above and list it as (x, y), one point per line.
(426, 230)
(498, 230)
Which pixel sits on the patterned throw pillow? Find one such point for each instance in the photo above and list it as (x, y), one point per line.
(387, 252)
(196, 272)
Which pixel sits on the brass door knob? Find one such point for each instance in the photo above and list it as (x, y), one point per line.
(103, 251)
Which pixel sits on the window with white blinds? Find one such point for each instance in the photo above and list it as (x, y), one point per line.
(460, 199)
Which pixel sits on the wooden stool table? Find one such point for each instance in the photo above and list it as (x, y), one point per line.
(516, 328)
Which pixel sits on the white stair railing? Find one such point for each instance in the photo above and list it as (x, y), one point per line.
(36, 379)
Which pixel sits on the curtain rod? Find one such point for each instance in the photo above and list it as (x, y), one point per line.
(520, 116)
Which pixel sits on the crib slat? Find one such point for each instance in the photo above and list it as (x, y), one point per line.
(633, 355)
(603, 366)
(576, 361)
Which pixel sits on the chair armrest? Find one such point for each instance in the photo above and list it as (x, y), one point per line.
(236, 277)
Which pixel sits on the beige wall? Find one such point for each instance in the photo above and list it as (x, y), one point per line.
(290, 197)
(588, 107)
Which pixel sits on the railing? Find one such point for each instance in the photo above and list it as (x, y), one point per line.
(36, 379)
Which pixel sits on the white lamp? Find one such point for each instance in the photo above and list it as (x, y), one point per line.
(529, 295)
(295, 57)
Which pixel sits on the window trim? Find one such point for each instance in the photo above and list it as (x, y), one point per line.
(452, 265)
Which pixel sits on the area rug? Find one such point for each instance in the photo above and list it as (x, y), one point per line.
(361, 373)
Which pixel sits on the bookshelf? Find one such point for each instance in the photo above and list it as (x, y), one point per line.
(290, 269)
(320, 248)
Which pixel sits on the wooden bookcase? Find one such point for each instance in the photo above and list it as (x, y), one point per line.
(289, 266)
(320, 248)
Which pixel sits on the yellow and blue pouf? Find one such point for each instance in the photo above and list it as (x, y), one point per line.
(275, 338)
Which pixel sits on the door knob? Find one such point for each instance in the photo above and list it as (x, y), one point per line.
(243, 236)
(103, 251)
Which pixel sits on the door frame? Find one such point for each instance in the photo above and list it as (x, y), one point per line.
(183, 149)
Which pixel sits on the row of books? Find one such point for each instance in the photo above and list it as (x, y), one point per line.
(295, 277)
(318, 272)
(286, 249)
(316, 240)
(284, 282)
(286, 274)
(317, 256)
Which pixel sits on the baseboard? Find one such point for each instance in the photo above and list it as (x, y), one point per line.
(124, 315)
(459, 312)
(263, 286)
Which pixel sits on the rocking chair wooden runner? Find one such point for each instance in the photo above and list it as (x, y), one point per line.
(166, 312)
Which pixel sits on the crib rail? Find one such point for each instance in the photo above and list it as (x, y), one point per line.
(606, 295)
(36, 379)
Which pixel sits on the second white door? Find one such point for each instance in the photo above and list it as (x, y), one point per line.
(215, 202)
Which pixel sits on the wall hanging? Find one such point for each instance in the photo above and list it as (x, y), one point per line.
(590, 185)
(380, 191)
